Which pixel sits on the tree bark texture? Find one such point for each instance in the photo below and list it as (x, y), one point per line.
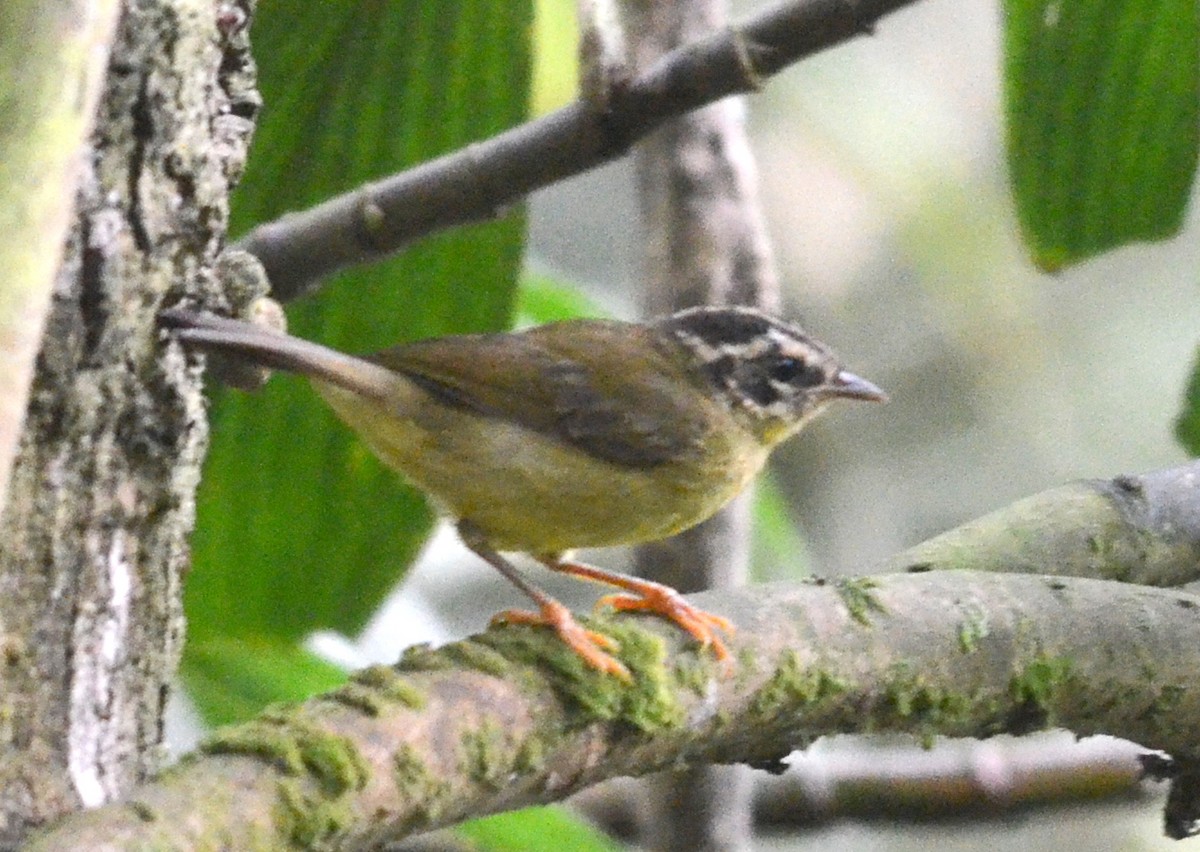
(93, 545)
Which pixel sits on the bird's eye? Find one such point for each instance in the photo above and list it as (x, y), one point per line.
(787, 370)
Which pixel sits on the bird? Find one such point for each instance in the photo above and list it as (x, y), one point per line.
(579, 433)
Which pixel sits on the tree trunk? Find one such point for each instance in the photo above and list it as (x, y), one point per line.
(93, 543)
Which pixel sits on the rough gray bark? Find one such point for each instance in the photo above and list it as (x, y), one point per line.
(94, 541)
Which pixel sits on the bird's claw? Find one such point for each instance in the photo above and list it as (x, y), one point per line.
(588, 644)
(665, 601)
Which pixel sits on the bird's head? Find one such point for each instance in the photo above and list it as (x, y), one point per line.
(772, 375)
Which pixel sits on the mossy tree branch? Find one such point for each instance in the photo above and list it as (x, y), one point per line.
(1137, 529)
(510, 718)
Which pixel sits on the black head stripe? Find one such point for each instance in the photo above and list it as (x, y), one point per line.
(760, 364)
(758, 390)
(725, 327)
(765, 379)
(720, 371)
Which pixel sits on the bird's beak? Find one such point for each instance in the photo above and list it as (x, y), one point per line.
(849, 386)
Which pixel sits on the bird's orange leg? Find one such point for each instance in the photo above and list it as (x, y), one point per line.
(588, 644)
(649, 596)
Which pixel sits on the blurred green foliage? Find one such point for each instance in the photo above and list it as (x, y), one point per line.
(299, 527)
(1102, 104)
(532, 829)
(233, 678)
(543, 299)
(778, 550)
(555, 58)
(1187, 426)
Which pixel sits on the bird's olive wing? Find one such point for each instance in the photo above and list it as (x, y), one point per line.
(602, 387)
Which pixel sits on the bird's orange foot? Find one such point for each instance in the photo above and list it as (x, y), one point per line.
(586, 643)
(665, 601)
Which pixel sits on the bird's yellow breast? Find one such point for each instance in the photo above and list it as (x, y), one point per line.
(525, 491)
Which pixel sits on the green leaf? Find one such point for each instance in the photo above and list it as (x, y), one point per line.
(1102, 101)
(299, 527)
(778, 550)
(543, 299)
(232, 679)
(1187, 426)
(556, 58)
(534, 829)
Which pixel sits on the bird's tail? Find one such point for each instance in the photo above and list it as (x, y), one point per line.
(278, 351)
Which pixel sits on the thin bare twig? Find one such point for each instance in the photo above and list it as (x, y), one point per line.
(482, 180)
(882, 779)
